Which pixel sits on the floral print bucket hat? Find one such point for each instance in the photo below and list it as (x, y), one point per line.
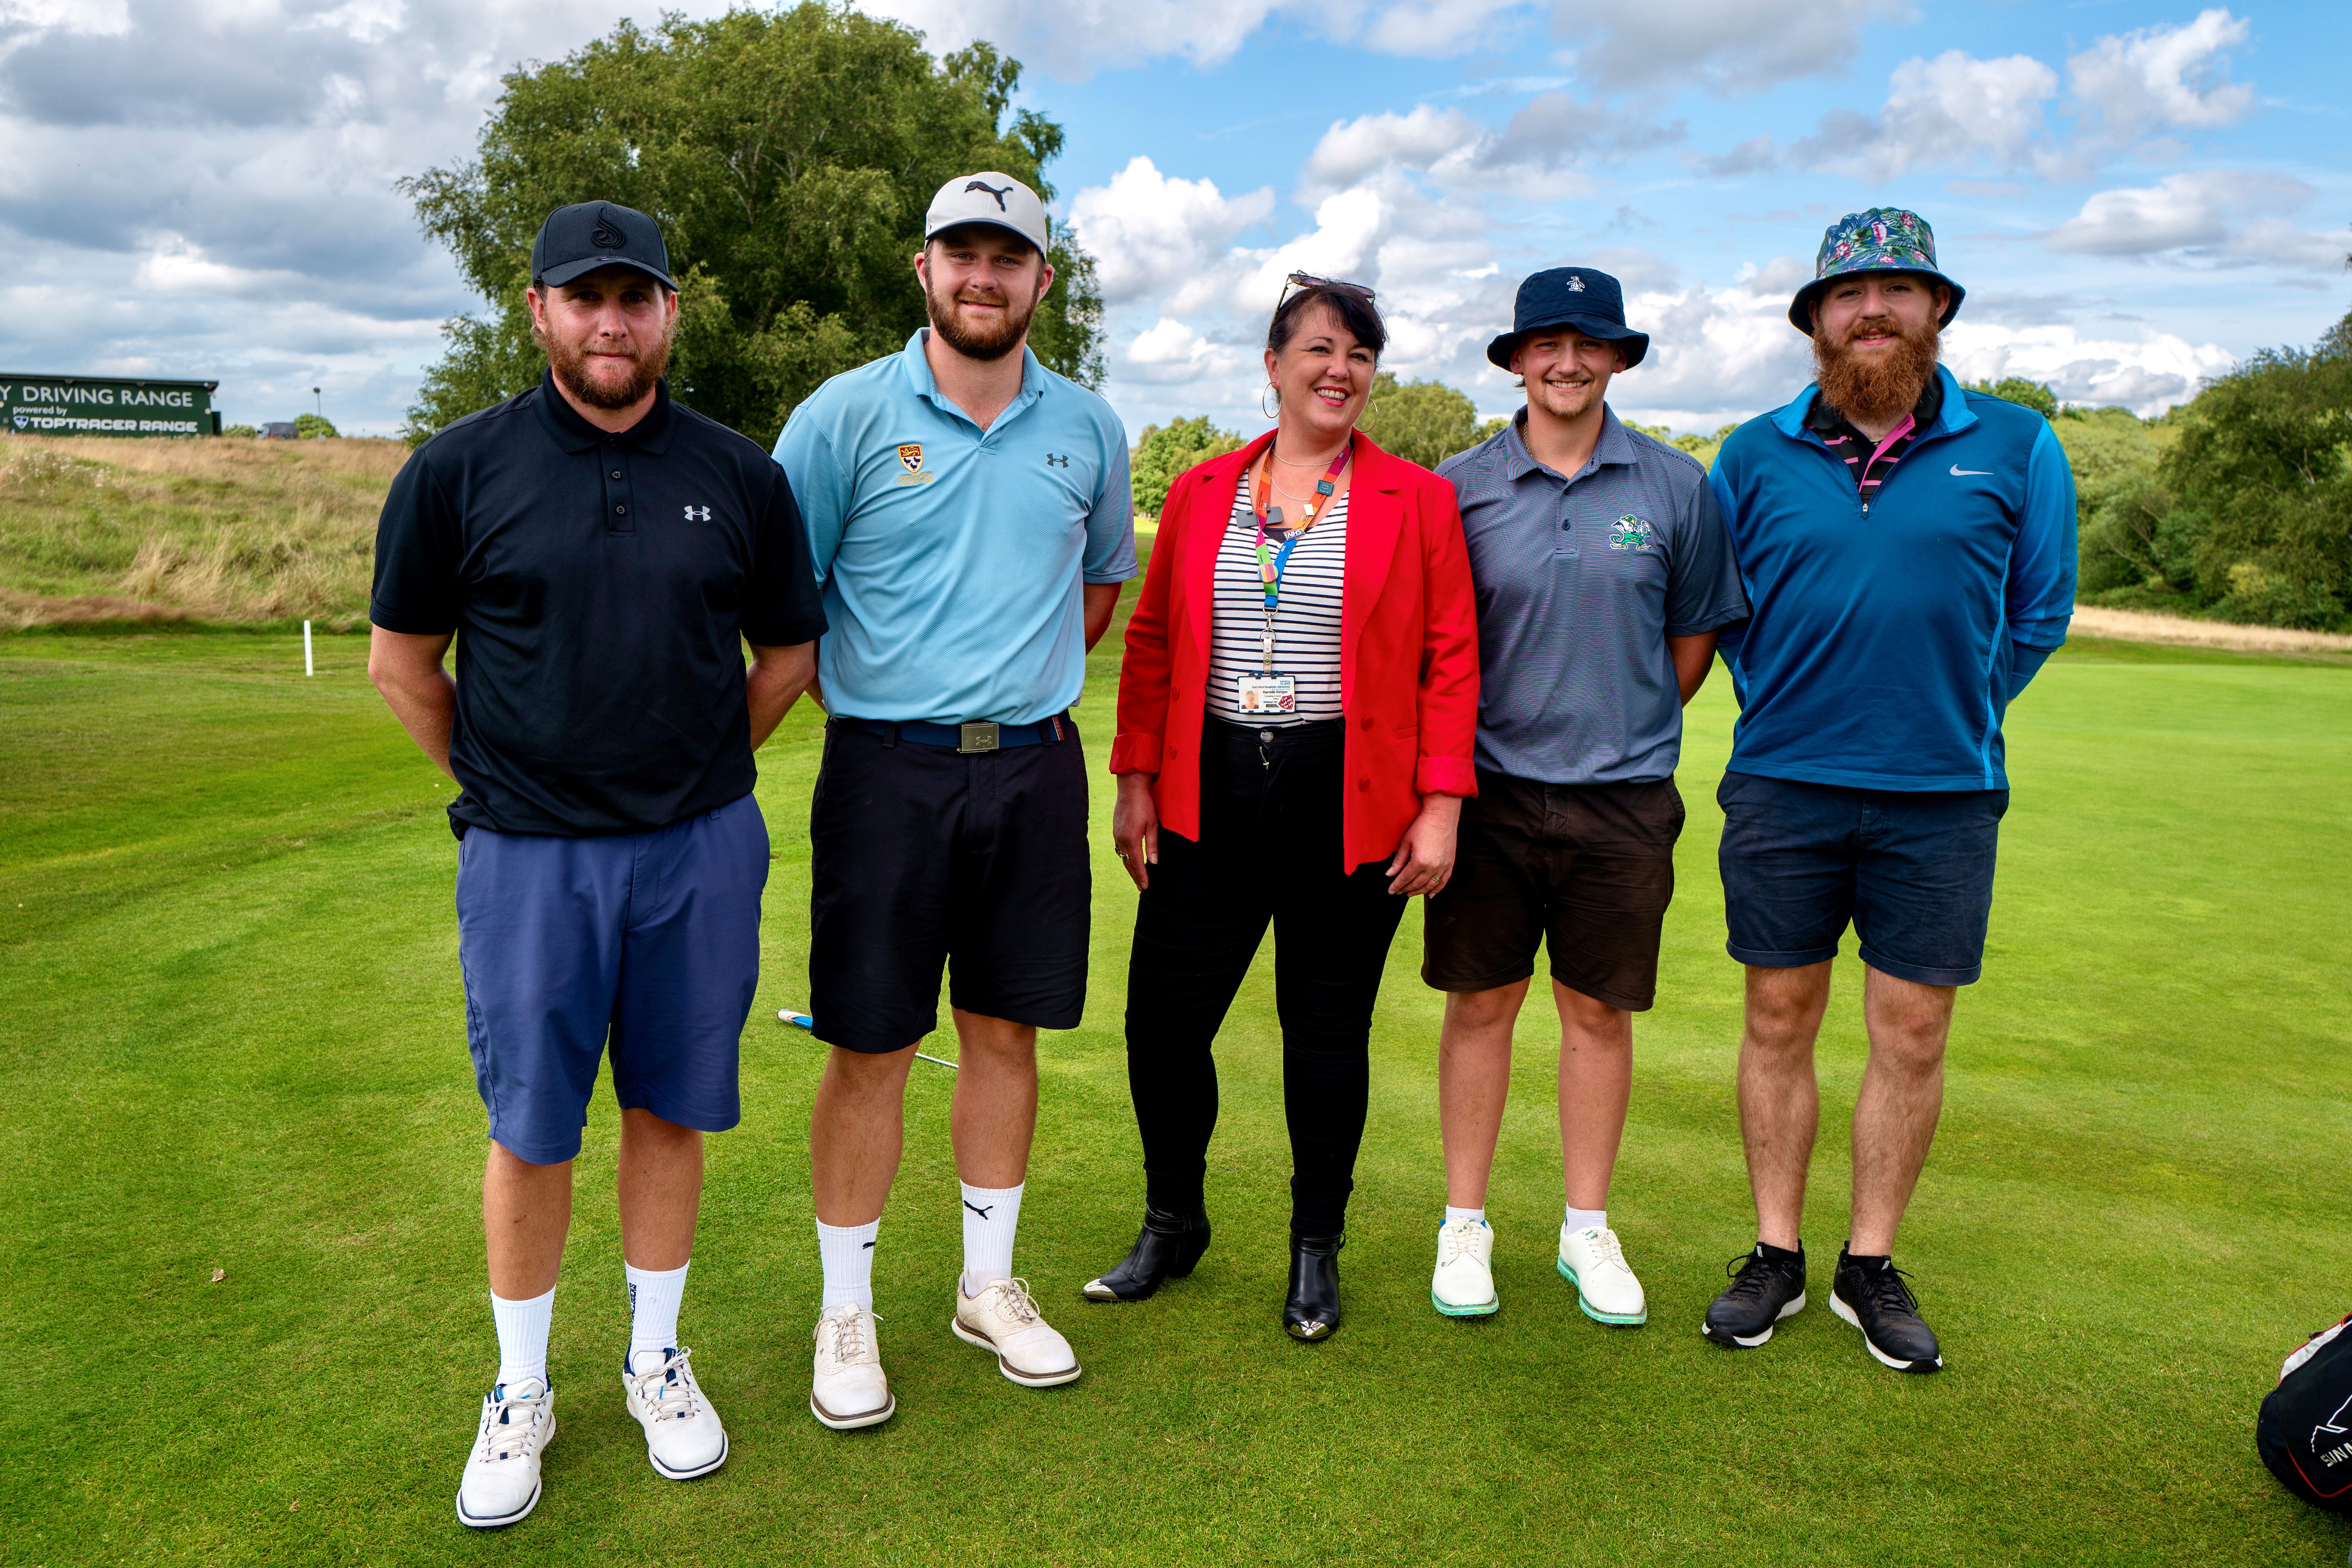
(1883, 239)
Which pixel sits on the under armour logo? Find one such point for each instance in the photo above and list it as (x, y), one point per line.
(1575, 284)
(697, 514)
(983, 185)
(976, 1208)
(1056, 461)
(608, 237)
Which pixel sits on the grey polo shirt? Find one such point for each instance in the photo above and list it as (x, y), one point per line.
(1581, 579)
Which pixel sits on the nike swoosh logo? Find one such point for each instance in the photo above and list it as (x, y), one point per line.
(1960, 473)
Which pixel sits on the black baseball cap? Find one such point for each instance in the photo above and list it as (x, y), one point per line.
(578, 240)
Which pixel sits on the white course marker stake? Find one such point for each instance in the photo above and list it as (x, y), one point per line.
(307, 667)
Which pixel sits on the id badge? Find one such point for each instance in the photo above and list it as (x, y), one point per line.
(1267, 693)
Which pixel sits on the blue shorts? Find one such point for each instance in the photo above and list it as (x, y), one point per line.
(1912, 871)
(649, 939)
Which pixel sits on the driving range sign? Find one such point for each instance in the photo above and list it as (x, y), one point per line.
(105, 405)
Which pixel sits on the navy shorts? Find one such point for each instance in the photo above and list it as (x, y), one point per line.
(925, 858)
(1912, 870)
(648, 940)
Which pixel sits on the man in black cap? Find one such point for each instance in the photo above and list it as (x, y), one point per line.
(606, 553)
(1603, 574)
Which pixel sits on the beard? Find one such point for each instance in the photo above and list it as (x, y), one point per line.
(1883, 386)
(975, 342)
(571, 362)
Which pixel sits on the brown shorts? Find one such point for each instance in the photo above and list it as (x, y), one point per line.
(1588, 869)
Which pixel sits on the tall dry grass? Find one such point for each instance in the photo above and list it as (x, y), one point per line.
(223, 530)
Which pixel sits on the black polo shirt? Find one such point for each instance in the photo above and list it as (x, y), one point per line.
(601, 587)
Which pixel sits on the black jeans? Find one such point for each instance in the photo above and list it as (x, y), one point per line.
(1269, 850)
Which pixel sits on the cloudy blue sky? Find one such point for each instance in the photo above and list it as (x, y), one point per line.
(2136, 193)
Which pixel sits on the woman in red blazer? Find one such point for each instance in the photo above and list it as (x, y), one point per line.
(1295, 714)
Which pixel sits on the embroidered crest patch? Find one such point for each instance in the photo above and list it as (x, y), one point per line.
(1630, 533)
(910, 456)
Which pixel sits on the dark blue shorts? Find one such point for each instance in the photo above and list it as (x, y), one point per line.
(1912, 871)
(651, 940)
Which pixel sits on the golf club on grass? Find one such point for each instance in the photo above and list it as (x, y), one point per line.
(803, 1021)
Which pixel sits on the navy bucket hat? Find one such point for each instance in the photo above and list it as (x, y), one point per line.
(1581, 297)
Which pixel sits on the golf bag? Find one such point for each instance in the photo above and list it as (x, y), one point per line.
(2305, 1432)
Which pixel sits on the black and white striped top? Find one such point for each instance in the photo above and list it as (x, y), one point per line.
(1306, 625)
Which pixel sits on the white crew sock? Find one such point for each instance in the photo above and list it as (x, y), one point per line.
(846, 1251)
(990, 1215)
(654, 1296)
(1580, 1219)
(522, 1335)
(1453, 1213)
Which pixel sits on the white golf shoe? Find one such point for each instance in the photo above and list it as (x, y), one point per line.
(1003, 1318)
(1463, 1284)
(1592, 1260)
(683, 1436)
(501, 1480)
(848, 1390)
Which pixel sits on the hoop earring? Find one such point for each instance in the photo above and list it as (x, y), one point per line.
(1275, 412)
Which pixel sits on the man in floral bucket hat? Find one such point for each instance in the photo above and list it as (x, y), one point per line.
(1908, 552)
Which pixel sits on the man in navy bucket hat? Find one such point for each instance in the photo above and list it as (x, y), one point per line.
(1579, 297)
(1603, 574)
(1909, 550)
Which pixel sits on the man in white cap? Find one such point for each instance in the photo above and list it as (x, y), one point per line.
(969, 515)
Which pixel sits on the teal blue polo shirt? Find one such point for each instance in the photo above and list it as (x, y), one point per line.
(949, 556)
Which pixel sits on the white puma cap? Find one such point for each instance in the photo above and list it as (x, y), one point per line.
(988, 197)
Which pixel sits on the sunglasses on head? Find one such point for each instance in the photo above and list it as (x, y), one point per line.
(1308, 281)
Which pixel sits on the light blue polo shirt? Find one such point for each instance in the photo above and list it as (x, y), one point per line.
(951, 556)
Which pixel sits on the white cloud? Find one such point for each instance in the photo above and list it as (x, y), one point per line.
(205, 188)
(1716, 354)
(2194, 211)
(2163, 78)
(69, 15)
(1946, 108)
(1434, 29)
(1533, 157)
(1149, 232)
(1172, 351)
(2146, 370)
(1723, 45)
(1952, 110)
(1354, 148)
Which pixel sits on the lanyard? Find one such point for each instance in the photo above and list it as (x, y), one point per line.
(1270, 561)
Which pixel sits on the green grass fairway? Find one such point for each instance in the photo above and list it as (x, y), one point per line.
(232, 1042)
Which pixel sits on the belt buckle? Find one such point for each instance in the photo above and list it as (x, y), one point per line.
(981, 737)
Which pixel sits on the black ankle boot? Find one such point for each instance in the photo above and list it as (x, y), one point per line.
(1312, 1311)
(1167, 1248)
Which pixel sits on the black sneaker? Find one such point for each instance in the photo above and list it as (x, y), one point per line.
(1767, 1285)
(1869, 1293)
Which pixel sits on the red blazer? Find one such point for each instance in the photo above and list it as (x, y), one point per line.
(1408, 647)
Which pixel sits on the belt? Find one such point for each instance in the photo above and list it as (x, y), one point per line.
(979, 737)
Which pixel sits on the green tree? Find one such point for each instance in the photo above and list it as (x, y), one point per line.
(1165, 451)
(240, 430)
(2264, 489)
(2134, 553)
(312, 427)
(789, 156)
(1422, 422)
(2017, 389)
